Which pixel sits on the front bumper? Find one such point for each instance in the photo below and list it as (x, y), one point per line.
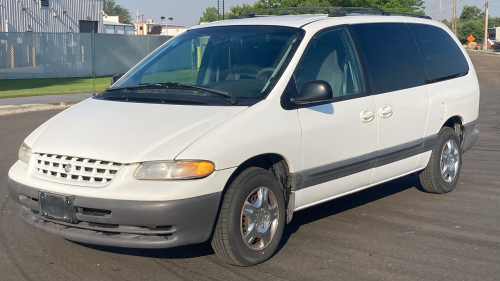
(125, 223)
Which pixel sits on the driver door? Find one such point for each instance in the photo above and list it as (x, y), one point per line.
(336, 137)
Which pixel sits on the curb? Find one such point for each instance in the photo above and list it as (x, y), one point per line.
(17, 109)
(486, 52)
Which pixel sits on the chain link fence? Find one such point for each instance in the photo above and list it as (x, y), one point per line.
(57, 55)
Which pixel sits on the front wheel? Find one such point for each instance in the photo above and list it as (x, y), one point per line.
(443, 170)
(251, 219)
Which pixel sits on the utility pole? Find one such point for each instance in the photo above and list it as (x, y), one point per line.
(454, 17)
(433, 15)
(485, 47)
(440, 10)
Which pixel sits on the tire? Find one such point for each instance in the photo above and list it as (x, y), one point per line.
(443, 170)
(235, 222)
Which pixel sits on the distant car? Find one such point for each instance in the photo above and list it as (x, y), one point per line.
(225, 131)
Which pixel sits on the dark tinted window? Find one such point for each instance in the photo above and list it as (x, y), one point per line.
(442, 56)
(392, 56)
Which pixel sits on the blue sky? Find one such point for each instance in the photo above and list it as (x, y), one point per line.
(188, 12)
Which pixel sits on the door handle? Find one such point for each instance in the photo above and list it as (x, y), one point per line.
(385, 111)
(367, 115)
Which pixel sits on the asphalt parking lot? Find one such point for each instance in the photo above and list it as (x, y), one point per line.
(392, 231)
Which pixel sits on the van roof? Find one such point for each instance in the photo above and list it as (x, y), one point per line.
(288, 20)
(285, 19)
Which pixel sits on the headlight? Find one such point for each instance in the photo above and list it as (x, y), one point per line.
(174, 170)
(25, 153)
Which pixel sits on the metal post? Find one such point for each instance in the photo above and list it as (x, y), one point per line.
(221, 8)
(93, 58)
(12, 64)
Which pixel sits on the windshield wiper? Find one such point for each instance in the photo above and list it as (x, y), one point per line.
(176, 85)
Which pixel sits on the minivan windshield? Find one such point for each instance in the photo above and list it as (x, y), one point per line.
(228, 65)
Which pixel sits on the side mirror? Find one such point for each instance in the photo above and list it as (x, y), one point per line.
(115, 78)
(314, 92)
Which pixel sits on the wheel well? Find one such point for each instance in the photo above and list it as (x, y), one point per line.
(456, 124)
(272, 162)
(275, 163)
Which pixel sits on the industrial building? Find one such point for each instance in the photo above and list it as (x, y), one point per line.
(493, 33)
(57, 16)
(145, 27)
(115, 25)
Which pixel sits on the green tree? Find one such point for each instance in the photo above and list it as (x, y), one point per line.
(409, 6)
(211, 14)
(466, 28)
(493, 21)
(471, 13)
(471, 21)
(242, 10)
(112, 9)
(447, 23)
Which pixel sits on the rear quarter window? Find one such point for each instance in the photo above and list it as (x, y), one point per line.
(443, 58)
(392, 56)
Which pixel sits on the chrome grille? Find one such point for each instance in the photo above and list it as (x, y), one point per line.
(80, 171)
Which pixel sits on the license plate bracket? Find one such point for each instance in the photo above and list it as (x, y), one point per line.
(57, 207)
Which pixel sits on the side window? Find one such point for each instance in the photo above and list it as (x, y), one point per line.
(392, 56)
(330, 56)
(442, 56)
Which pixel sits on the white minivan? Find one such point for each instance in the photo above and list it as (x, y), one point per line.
(225, 131)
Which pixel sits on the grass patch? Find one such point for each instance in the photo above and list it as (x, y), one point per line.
(184, 76)
(51, 86)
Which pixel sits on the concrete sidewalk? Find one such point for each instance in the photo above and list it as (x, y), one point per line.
(44, 99)
(36, 103)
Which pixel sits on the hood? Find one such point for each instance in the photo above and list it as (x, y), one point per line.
(127, 132)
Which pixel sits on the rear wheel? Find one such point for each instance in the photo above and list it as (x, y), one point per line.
(443, 170)
(251, 220)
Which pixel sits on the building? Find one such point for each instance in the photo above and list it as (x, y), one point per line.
(77, 16)
(173, 30)
(493, 33)
(145, 27)
(115, 25)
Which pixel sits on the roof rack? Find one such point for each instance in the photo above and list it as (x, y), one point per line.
(331, 11)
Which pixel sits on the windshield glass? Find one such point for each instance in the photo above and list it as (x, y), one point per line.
(236, 64)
